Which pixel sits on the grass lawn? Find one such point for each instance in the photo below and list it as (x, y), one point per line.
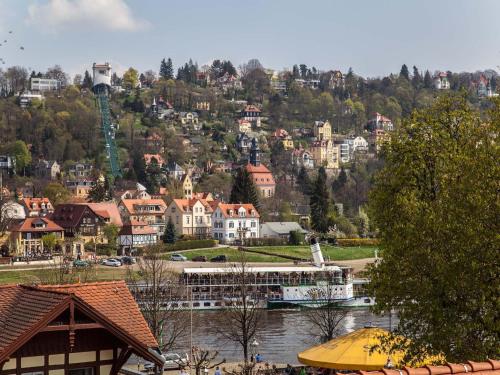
(27, 276)
(329, 252)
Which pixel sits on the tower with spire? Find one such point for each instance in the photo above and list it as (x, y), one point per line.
(255, 153)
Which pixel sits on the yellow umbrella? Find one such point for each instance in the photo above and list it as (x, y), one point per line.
(351, 352)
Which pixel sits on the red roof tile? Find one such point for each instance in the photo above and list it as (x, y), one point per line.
(490, 367)
(32, 224)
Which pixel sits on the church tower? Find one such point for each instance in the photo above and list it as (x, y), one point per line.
(255, 153)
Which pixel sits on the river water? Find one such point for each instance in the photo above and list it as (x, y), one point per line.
(282, 335)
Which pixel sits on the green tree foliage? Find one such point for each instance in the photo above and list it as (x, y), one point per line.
(304, 181)
(20, 152)
(49, 241)
(111, 233)
(166, 69)
(130, 79)
(427, 80)
(99, 191)
(320, 203)
(56, 193)
(436, 206)
(244, 190)
(170, 235)
(404, 73)
(87, 80)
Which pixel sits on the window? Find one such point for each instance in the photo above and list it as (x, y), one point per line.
(231, 224)
(253, 224)
(81, 371)
(231, 235)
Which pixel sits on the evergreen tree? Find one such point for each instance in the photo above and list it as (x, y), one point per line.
(295, 71)
(320, 203)
(163, 69)
(340, 181)
(139, 166)
(87, 80)
(97, 192)
(427, 80)
(416, 80)
(170, 235)
(304, 181)
(244, 190)
(405, 73)
(169, 69)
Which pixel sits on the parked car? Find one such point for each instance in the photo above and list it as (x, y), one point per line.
(78, 263)
(178, 258)
(200, 258)
(128, 260)
(219, 259)
(112, 262)
(172, 361)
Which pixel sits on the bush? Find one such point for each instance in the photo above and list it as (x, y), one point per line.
(191, 244)
(265, 242)
(296, 237)
(348, 242)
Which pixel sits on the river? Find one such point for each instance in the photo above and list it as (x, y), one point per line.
(282, 335)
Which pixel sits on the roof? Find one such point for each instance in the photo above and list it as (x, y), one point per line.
(285, 269)
(29, 201)
(137, 227)
(261, 168)
(30, 225)
(107, 210)
(186, 205)
(130, 205)
(251, 108)
(68, 215)
(283, 227)
(148, 158)
(226, 207)
(490, 367)
(25, 310)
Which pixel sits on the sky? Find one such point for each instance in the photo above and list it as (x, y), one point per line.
(374, 37)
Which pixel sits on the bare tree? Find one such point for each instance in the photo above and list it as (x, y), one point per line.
(8, 213)
(204, 359)
(243, 316)
(156, 287)
(326, 317)
(61, 271)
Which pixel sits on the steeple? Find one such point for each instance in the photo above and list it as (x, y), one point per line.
(255, 153)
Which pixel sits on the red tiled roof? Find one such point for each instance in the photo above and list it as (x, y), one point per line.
(226, 207)
(187, 204)
(251, 108)
(130, 205)
(261, 168)
(28, 225)
(29, 201)
(491, 367)
(149, 157)
(107, 210)
(260, 174)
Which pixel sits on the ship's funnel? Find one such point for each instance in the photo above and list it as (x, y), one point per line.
(316, 253)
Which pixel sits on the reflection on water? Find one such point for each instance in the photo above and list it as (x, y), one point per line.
(284, 333)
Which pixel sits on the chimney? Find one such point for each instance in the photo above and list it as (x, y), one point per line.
(316, 253)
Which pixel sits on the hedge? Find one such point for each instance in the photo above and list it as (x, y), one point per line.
(191, 244)
(348, 242)
(267, 241)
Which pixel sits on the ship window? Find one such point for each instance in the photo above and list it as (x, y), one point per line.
(206, 304)
(196, 304)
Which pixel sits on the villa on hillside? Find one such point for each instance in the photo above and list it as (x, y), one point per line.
(259, 173)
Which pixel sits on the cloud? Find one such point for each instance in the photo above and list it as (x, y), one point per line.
(55, 15)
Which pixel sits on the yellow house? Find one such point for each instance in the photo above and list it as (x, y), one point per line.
(287, 143)
(326, 154)
(187, 187)
(322, 131)
(192, 217)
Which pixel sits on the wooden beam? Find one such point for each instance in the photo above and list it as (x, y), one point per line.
(66, 327)
(120, 361)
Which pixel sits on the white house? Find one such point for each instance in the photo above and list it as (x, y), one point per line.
(359, 144)
(441, 81)
(235, 221)
(44, 84)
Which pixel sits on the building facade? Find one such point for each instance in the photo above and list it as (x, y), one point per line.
(191, 217)
(231, 222)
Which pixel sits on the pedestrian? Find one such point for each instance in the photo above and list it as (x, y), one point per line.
(258, 358)
(251, 358)
(218, 371)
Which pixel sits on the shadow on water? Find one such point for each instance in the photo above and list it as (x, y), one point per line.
(282, 335)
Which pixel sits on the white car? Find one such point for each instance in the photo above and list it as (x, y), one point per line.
(178, 258)
(112, 263)
(172, 361)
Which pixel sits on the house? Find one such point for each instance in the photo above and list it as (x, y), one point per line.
(335, 79)
(322, 130)
(151, 211)
(175, 171)
(188, 118)
(81, 170)
(244, 126)
(8, 163)
(280, 229)
(441, 81)
(484, 89)
(302, 158)
(79, 187)
(359, 144)
(326, 154)
(243, 143)
(26, 98)
(228, 82)
(344, 147)
(148, 158)
(232, 222)
(309, 83)
(187, 187)
(26, 236)
(37, 207)
(86, 220)
(191, 217)
(380, 122)
(47, 169)
(44, 84)
(207, 196)
(136, 234)
(140, 192)
(259, 173)
(282, 136)
(252, 114)
(376, 139)
(74, 329)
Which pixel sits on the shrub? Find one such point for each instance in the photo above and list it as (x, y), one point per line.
(296, 237)
(104, 249)
(265, 242)
(347, 242)
(191, 244)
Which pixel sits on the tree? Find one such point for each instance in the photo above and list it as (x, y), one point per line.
(404, 73)
(57, 73)
(87, 80)
(320, 203)
(101, 190)
(49, 241)
(170, 235)
(156, 284)
(111, 233)
(20, 152)
(244, 190)
(427, 80)
(340, 181)
(416, 80)
(435, 204)
(166, 69)
(56, 193)
(327, 317)
(202, 359)
(304, 181)
(130, 79)
(242, 318)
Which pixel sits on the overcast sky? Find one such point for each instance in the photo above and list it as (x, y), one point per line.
(374, 37)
